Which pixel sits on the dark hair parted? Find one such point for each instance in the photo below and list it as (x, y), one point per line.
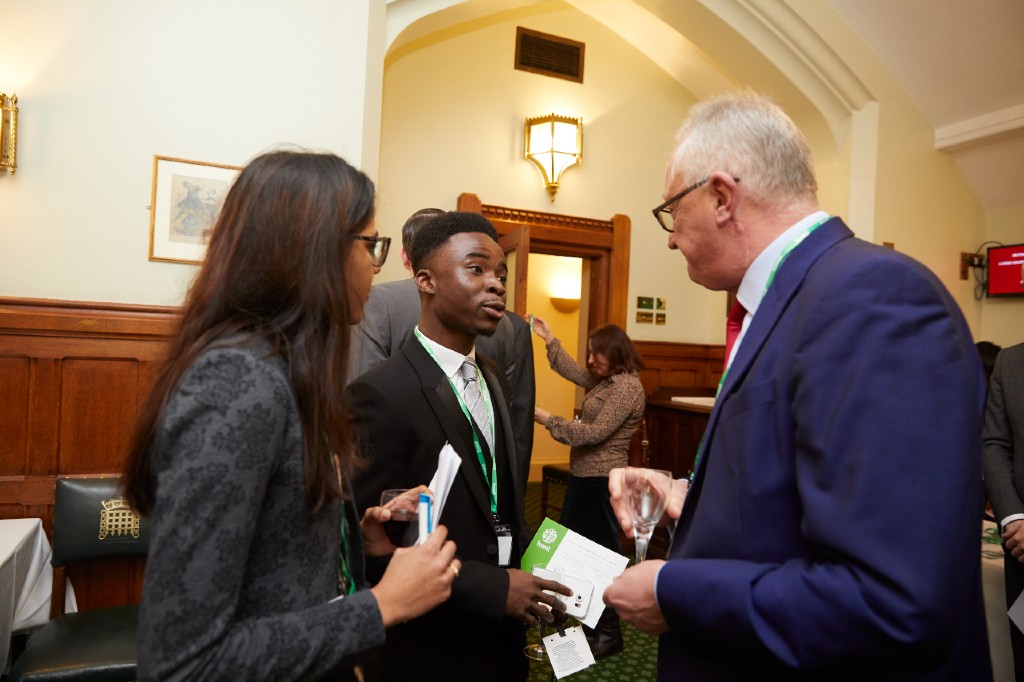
(416, 221)
(613, 343)
(276, 270)
(441, 229)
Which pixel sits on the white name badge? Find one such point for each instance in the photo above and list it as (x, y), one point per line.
(504, 550)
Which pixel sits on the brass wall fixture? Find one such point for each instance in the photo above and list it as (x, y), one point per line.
(8, 132)
(553, 143)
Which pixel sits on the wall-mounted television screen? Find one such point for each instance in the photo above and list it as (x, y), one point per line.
(1004, 270)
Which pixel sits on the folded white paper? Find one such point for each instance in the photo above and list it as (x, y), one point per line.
(448, 463)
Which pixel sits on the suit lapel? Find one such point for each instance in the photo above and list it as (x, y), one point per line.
(440, 395)
(788, 280)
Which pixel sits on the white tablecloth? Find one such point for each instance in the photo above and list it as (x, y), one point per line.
(994, 589)
(26, 579)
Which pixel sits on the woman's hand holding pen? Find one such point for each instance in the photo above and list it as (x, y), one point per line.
(417, 579)
(375, 539)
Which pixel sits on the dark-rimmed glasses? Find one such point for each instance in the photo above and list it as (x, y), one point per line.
(378, 248)
(663, 214)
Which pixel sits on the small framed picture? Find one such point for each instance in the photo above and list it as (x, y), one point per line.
(645, 302)
(644, 317)
(659, 304)
(187, 196)
(659, 318)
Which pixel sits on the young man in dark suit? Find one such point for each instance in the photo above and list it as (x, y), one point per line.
(406, 409)
(392, 312)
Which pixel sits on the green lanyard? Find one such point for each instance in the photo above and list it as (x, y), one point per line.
(802, 235)
(346, 583)
(492, 479)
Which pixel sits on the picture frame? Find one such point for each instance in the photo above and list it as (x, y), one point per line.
(187, 197)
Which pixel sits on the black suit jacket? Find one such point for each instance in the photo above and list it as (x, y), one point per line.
(1003, 434)
(405, 411)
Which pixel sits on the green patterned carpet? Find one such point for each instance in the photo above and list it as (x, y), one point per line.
(638, 660)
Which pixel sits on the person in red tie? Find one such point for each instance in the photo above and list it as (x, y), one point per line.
(733, 327)
(831, 528)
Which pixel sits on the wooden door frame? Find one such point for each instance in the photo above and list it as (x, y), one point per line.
(605, 243)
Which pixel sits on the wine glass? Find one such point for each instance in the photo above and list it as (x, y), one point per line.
(647, 492)
(536, 651)
(403, 528)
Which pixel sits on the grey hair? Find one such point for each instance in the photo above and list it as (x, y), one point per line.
(751, 138)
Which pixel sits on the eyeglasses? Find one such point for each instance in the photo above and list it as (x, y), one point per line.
(378, 248)
(663, 214)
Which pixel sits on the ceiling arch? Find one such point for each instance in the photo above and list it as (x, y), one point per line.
(710, 47)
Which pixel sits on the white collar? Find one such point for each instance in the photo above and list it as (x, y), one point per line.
(449, 360)
(752, 288)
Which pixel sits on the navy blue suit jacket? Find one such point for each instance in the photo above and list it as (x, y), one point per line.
(832, 529)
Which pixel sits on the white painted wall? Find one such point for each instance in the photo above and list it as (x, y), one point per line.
(106, 84)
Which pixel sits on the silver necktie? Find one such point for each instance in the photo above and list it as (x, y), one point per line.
(475, 402)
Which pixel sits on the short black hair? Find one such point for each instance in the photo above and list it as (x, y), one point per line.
(415, 222)
(440, 230)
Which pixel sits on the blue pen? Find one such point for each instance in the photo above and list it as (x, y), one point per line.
(426, 523)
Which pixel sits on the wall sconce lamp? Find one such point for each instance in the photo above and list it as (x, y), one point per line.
(565, 305)
(565, 293)
(8, 132)
(553, 143)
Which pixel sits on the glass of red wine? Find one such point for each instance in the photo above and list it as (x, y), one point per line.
(403, 528)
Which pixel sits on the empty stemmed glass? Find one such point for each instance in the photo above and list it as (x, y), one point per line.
(646, 492)
(536, 650)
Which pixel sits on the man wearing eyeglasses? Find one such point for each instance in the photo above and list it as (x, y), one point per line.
(831, 527)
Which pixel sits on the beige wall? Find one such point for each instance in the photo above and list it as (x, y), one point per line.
(106, 84)
(923, 203)
(453, 119)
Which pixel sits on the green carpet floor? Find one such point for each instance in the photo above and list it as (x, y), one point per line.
(638, 660)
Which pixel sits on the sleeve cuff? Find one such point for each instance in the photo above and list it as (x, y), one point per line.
(1008, 519)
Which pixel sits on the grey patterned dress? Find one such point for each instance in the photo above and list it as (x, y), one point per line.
(240, 578)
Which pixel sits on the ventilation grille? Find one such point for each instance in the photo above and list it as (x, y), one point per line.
(549, 55)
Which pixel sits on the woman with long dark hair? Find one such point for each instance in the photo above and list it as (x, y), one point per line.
(242, 454)
(599, 441)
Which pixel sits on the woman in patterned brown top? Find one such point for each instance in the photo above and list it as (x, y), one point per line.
(612, 409)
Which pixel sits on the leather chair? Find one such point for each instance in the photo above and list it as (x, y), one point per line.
(90, 520)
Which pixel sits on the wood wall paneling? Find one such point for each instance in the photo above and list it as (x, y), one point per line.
(72, 378)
